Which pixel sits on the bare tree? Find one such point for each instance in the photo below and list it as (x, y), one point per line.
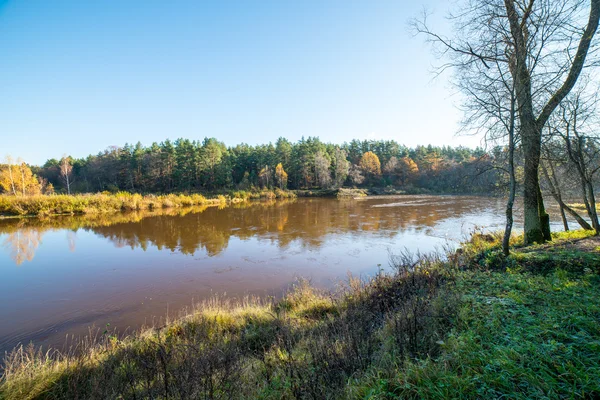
(322, 173)
(356, 175)
(550, 174)
(264, 176)
(577, 123)
(544, 46)
(65, 172)
(490, 109)
(341, 167)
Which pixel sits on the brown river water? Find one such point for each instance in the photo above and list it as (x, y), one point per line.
(61, 275)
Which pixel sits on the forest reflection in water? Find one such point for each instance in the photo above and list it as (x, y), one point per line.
(188, 230)
(63, 274)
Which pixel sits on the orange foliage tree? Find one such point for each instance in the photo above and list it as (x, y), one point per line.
(281, 176)
(407, 170)
(370, 164)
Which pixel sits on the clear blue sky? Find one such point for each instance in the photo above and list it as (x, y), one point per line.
(78, 76)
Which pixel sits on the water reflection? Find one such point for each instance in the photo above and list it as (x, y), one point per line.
(210, 229)
(125, 269)
(22, 243)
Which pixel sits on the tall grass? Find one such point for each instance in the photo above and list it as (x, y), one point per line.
(263, 194)
(306, 345)
(44, 205)
(471, 324)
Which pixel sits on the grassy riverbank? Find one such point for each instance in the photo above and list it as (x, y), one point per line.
(46, 205)
(477, 324)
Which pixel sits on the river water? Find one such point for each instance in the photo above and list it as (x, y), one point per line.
(61, 275)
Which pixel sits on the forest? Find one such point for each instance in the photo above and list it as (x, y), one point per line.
(210, 166)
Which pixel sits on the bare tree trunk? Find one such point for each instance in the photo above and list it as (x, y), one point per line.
(592, 203)
(512, 183)
(586, 182)
(544, 217)
(531, 185)
(555, 191)
(563, 216)
(582, 222)
(587, 189)
(65, 169)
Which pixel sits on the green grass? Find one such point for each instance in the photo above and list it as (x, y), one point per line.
(516, 336)
(268, 194)
(477, 325)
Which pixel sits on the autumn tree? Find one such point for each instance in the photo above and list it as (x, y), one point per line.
(281, 176)
(400, 171)
(7, 177)
(18, 179)
(370, 165)
(27, 181)
(407, 171)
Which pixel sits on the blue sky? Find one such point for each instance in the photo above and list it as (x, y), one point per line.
(79, 76)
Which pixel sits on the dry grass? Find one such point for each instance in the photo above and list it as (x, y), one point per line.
(44, 205)
(473, 324)
(306, 345)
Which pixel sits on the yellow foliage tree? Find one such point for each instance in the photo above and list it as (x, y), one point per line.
(18, 180)
(407, 170)
(281, 176)
(370, 164)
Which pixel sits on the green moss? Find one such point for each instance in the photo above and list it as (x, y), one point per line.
(572, 235)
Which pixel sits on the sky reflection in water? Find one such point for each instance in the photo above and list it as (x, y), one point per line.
(63, 274)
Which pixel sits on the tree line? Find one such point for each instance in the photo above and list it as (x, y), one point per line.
(209, 165)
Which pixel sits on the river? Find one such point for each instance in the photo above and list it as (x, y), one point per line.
(62, 275)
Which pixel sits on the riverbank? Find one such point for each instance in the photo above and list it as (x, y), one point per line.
(337, 193)
(478, 323)
(96, 203)
(81, 204)
(348, 193)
